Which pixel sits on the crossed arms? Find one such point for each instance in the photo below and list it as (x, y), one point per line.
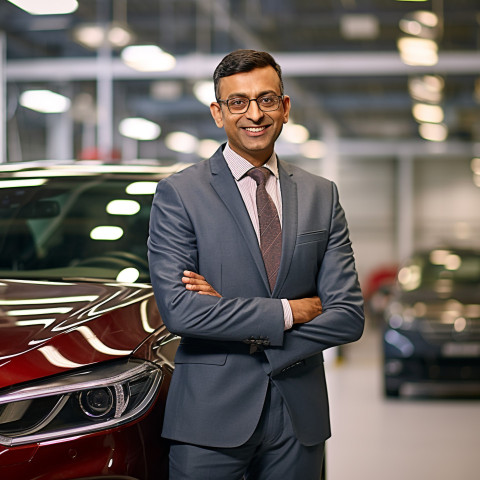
(303, 309)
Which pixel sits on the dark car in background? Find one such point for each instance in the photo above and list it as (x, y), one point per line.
(85, 360)
(432, 330)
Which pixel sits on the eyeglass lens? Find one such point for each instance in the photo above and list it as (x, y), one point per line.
(266, 103)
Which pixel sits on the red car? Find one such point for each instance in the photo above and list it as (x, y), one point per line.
(85, 360)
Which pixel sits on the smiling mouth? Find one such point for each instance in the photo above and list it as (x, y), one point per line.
(256, 129)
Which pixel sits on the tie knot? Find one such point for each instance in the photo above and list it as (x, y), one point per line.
(260, 174)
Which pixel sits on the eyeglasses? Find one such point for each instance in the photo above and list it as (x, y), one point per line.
(266, 103)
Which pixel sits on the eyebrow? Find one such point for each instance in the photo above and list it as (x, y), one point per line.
(259, 95)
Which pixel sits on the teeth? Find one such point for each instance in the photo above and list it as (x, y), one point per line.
(255, 129)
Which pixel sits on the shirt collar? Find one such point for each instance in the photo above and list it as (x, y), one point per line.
(239, 166)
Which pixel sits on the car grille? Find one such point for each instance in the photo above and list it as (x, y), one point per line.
(437, 332)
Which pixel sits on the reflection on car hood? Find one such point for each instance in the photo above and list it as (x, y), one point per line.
(49, 327)
(462, 294)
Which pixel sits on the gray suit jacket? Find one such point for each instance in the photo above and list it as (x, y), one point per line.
(199, 222)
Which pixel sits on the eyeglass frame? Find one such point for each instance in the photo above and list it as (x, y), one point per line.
(281, 97)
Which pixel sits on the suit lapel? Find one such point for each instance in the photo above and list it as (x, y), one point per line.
(289, 222)
(224, 184)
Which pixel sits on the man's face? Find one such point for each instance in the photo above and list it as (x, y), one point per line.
(251, 134)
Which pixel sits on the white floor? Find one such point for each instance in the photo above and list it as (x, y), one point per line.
(407, 439)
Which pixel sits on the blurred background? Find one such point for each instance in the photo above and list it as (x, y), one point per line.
(385, 102)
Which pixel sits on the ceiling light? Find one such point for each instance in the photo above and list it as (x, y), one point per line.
(46, 7)
(119, 35)
(89, 35)
(44, 101)
(476, 180)
(435, 132)
(181, 142)
(428, 113)
(206, 148)
(204, 92)
(139, 129)
(427, 88)
(418, 51)
(429, 19)
(295, 133)
(359, 26)
(93, 36)
(476, 165)
(147, 58)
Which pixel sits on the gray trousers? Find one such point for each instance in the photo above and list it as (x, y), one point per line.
(272, 453)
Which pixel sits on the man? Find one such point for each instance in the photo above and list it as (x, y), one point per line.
(248, 395)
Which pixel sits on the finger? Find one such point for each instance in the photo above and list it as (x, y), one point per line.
(191, 274)
(194, 281)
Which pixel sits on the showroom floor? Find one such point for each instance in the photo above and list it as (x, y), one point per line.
(412, 438)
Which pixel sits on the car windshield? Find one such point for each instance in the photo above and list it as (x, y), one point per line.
(80, 226)
(461, 268)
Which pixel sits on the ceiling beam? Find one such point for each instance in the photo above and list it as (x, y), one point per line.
(202, 66)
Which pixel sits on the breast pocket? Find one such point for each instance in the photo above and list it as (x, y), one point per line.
(312, 237)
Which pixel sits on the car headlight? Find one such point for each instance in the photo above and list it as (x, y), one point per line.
(85, 401)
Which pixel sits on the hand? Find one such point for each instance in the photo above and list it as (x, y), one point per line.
(305, 309)
(197, 283)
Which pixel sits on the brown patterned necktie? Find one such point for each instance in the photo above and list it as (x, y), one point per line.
(270, 228)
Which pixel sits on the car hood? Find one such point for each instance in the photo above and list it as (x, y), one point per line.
(464, 295)
(50, 327)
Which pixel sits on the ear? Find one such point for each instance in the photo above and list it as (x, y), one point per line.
(216, 111)
(286, 108)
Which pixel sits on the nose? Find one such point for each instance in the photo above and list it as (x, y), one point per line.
(253, 112)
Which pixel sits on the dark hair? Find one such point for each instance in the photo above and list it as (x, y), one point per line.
(241, 61)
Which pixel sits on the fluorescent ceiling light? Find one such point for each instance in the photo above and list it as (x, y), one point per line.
(475, 165)
(93, 36)
(421, 23)
(89, 35)
(139, 129)
(418, 51)
(427, 88)
(359, 26)
(428, 113)
(181, 142)
(46, 7)
(204, 92)
(207, 147)
(44, 101)
(435, 132)
(147, 58)
(119, 35)
(295, 133)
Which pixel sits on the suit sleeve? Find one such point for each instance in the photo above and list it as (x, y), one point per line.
(342, 319)
(172, 248)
